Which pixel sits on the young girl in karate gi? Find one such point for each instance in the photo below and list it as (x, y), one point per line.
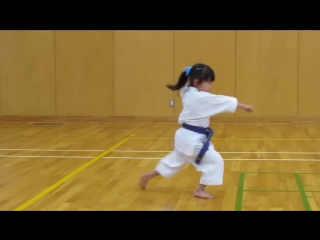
(198, 106)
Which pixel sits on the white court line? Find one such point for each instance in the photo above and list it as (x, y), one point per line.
(49, 150)
(33, 156)
(134, 151)
(150, 158)
(174, 123)
(232, 159)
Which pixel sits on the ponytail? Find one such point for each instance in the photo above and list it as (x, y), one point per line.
(182, 80)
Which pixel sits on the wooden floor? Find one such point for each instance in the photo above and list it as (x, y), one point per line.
(96, 166)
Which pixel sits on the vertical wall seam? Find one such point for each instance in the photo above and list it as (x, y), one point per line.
(298, 79)
(173, 68)
(55, 72)
(235, 66)
(114, 75)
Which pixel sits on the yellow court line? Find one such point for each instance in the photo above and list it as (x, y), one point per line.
(70, 175)
(240, 139)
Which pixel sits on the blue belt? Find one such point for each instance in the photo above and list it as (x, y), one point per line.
(206, 131)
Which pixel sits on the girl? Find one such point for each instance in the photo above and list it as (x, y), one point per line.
(192, 140)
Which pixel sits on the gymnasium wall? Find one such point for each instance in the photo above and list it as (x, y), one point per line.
(124, 73)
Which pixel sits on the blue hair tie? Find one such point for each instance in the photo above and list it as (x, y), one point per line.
(188, 69)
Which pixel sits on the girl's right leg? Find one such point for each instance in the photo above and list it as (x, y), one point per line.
(167, 167)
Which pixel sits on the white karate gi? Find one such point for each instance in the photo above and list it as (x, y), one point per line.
(198, 107)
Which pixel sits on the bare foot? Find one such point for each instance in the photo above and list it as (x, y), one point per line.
(202, 194)
(144, 179)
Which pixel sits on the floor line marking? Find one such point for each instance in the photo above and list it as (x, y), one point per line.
(239, 196)
(238, 139)
(34, 156)
(49, 150)
(300, 173)
(146, 151)
(141, 151)
(228, 159)
(3, 121)
(303, 193)
(70, 175)
(158, 158)
(283, 191)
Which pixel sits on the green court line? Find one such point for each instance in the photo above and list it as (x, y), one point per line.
(302, 192)
(280, 173)
(240, 192)
(263, 190)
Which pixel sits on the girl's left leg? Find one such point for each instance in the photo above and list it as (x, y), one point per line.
(212, 167)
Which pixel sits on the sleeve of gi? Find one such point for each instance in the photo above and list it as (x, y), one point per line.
(211, 104)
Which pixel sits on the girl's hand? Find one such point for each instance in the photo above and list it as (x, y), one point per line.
(245, 107)
(249, 108)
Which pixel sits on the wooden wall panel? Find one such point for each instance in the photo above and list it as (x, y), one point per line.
(267, 72)
(124, 73)
(27, 73)
(214, 48)
(84, 66)
(143, 67)
(309, 74)
(1, 34)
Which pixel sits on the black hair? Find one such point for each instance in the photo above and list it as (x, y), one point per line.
(198, 71)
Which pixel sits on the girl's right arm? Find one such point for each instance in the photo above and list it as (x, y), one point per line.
(207, 104)
(245, 107)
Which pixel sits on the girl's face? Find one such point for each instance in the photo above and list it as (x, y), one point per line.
(204, 86)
